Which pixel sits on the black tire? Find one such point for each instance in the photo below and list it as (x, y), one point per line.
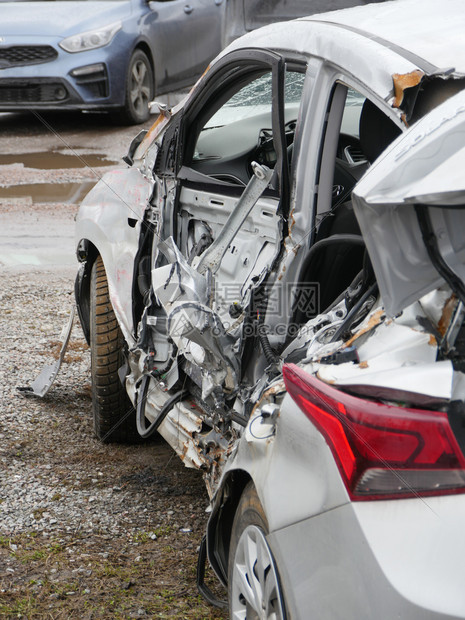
(114, 415)
(249, 514)
(139, 91)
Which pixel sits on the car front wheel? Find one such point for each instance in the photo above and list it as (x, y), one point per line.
(253, 580)
(114, 415)
(139, 90)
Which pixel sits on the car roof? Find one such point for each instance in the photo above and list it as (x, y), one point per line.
(375, 41)
(428, 29)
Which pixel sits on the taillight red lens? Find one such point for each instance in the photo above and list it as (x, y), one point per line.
(382, 451)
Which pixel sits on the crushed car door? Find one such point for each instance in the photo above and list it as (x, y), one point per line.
(230, 216)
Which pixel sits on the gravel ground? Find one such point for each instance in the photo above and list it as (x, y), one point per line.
(86, 530)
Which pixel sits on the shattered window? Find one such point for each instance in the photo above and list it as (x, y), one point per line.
(293, 86)
(256, 93)
(252, 99)
(255, 98)
(240, 132)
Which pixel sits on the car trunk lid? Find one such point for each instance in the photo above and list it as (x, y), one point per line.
(421, 173)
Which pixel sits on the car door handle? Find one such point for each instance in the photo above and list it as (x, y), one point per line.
(218, 2)
(188, 9)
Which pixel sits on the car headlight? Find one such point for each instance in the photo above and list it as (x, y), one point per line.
(90, 40)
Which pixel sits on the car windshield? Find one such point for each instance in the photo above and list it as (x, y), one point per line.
(255, 98)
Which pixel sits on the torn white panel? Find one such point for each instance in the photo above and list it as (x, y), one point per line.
(42, 384)
(399, 344)
(396, 355)
(434, 303)
(179, 429)
(432, 380)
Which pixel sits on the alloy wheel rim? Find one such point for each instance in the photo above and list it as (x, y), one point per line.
(140, 86)
(255, 585)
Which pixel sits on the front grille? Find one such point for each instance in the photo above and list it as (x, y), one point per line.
(32, 93)
(17, 55)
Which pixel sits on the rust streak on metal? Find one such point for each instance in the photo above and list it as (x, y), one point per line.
(375, 320)
(272, 391)
(328, 381)
(402, 81)
(447, 313)
(291, 221)
(155, 128)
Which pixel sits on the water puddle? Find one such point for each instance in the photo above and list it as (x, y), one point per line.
(69, 193)
(54, 160)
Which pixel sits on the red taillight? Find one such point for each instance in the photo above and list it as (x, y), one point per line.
(382, 451)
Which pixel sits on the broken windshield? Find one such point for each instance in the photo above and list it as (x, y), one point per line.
(255, 98)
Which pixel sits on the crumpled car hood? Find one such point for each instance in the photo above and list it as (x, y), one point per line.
(425, 167)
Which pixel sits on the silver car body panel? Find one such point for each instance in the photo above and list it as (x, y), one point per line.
(110, 217)
(42, 384)
(379, 25)
(402, 559)
(362, 34)
(284, 456)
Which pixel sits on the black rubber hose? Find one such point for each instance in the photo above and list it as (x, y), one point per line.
(143, 430)
(373, 290)
(261, 306)
(268, 352)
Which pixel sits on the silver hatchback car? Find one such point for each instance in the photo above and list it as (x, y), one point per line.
(276, 284)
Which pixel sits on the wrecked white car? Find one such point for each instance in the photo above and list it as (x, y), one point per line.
(276, 285)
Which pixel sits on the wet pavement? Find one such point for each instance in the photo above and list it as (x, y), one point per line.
(46, 160)
(48, 193)
(48, 163)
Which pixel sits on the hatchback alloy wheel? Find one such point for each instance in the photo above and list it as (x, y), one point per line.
(140, 86)
(255, 583)
(139, 90)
